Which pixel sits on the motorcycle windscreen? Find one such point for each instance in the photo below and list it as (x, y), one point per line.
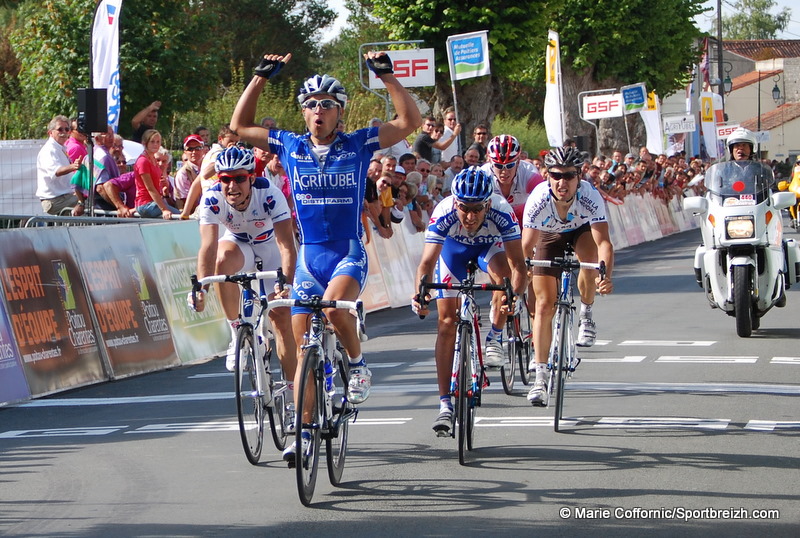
(739, 182)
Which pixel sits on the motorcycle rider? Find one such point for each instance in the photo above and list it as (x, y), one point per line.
(741, 144)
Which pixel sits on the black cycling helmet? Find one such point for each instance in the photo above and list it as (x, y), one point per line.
(563, 157)
(472, 185)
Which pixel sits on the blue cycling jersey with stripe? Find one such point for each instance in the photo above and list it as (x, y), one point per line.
(328, 195)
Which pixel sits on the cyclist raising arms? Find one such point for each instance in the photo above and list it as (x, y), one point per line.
(328, 174)
(257, 223)
(564, 210)
(513, 178)
(470, 224)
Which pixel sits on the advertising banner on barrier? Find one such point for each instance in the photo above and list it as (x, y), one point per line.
(122, 288)
(50, 314)
(173, 248)
(13, 386)
(374, 294)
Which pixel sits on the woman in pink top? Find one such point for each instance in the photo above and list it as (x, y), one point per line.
(149, 202)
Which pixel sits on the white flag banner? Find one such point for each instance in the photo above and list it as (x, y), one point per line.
(553, 104)
(105, 55)
(710, 116)
(468, 55)
(651, 116)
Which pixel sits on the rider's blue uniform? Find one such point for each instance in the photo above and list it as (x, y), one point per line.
(328, 194)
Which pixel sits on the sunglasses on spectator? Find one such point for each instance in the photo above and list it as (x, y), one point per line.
(470, 208)
(237, 179)
(563, 175)
(63, 129)
(481, 133)
(194, 148)
(507, 166)
(326, 104)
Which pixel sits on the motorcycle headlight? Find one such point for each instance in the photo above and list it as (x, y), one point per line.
(740, 227)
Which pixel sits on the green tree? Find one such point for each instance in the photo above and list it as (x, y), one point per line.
(752, 20)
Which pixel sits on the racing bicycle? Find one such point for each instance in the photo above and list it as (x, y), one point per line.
(324, 411)
(519, 346)
(259, 390)
(562, 360)
(468, 377)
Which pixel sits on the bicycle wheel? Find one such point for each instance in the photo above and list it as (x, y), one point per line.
(249, 398)
(464, 416)
(512, 345)
(564, 354)
(309, 420)
(276, 411)
(336, 441)
(525, 344)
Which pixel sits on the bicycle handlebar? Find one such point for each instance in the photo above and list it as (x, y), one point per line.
(568, 265)
(238, 278)
(424, 286)
(316, 303)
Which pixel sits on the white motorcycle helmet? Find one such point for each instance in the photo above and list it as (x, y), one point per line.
(742, 135)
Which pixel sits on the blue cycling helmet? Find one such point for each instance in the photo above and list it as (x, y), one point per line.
(235, 158)
(472, 185)
(322, 84)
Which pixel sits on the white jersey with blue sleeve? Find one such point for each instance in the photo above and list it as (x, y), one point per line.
(254, 225)
(500, 224)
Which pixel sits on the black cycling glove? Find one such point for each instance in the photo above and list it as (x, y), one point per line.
(268, 68)
(380, 65)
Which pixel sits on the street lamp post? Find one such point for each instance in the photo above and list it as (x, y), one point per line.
(776, 96)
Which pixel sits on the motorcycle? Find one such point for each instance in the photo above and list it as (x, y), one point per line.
(744, 264)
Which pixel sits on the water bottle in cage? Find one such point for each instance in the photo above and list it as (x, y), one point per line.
(329, 371)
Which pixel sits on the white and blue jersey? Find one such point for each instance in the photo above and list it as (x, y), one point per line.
(540, 212)
(460, 247)
(253, 227)
(328, 192)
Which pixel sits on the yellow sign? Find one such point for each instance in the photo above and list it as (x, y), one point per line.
(706, 110)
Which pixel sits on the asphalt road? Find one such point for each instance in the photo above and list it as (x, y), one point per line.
(678, 426)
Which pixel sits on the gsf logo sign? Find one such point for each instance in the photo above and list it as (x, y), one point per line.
(724, 131)
(413, 68)
(602, 106)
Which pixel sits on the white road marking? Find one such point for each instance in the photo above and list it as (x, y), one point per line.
(662, 423)
(752, 388)
(380, 421)
(509, 422)
(675, 343)
(770, 425)
(627, 358)
(785, 360)
(88, 431)
(184, 427)
(707, 359)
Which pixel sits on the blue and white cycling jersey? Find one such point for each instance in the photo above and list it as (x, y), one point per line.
(328, 195)
(253, 225)
(540, 212)
(500, 224)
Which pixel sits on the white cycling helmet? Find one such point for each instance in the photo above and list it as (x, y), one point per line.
(742, 135)
(322, 84)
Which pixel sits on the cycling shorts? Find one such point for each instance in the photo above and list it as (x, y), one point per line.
(319, 263)
(452, 263)
(551, 245)
(268, 252)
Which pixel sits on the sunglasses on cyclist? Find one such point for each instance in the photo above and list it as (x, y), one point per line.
(236, 179)
(507, 166)
(470, 208)
(326, 104)
(563, 175)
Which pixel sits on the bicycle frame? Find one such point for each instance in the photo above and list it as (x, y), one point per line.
(466, 386)
(562, 358)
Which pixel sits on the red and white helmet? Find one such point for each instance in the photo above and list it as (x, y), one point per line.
(503, 149)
